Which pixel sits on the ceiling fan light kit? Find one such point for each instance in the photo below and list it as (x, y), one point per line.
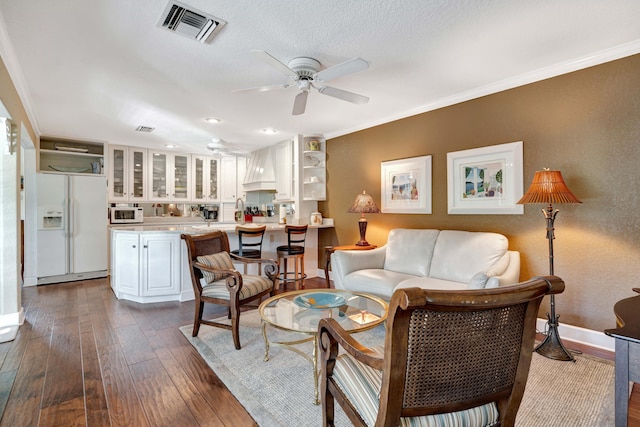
(306, 73)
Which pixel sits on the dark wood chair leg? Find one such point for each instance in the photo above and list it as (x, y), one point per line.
(198, 318)
(235, 326)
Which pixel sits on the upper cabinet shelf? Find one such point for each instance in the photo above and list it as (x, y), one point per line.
(73, 157)
(314, 176)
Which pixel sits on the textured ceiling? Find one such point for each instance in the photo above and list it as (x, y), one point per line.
(97, 69)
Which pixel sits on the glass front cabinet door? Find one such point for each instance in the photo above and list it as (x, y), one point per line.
(117, 177)
(127, 174)
(159, 176)
(181, 177)
(137, 179)
(205, 179)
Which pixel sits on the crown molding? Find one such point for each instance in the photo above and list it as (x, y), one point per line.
(597, 58)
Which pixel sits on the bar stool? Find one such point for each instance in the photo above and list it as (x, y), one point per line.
(296, 235)
(250, 244)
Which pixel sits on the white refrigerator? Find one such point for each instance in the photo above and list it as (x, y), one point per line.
(72, 227)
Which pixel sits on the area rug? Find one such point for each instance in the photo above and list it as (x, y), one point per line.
(279, 392)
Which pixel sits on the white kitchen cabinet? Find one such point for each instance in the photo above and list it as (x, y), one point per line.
(125, 268)
(181, 177)
(160, 272)
(206, 178)
(284, 164)
(127, 177)
(146, 266)
(169, 176)
(232, 171)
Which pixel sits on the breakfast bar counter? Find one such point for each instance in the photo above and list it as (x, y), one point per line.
(149, 262)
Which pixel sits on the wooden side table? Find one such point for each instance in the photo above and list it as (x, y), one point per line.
(328, 250)
(627, 345)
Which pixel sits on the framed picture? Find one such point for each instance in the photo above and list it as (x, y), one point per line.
(485, 180)
(406, 185)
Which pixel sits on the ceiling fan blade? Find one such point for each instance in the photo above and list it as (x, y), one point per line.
(270, 60)
(300, 103)
(351, 66)
(263, 88)
(343, 94)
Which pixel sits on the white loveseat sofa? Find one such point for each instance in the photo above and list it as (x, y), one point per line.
(429, 259)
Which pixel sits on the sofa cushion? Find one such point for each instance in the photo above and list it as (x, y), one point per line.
(500, 266)
(429, 283)
(374, 281)
(410, 251)
(458, 255)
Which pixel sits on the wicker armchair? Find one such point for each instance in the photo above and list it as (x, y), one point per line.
(216, 281)
(450, 357)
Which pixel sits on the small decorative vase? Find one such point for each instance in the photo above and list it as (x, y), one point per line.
(316, 218)
(314, 145)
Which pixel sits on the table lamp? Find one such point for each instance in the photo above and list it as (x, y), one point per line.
(548, 187)
(363, 204)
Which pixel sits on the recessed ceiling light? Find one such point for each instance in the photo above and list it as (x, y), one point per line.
(213, 120)
(269, 131)
(170, 146)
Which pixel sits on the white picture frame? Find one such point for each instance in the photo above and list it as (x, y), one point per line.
(406, 185)
(486, 180)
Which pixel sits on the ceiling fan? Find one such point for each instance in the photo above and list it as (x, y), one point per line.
(305, 73)
(218, 146)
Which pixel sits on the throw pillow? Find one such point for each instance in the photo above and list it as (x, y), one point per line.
(478, 281)
(221, 261)
(492, 282)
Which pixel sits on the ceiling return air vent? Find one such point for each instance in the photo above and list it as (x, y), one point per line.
(189, 22)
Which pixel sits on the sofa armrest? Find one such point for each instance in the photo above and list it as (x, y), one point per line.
(511, 275)
(345, 262)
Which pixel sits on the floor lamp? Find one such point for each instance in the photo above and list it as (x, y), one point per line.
(548, 187)
(363, 204)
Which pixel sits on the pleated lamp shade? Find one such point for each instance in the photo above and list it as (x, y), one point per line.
(548, 187)
(363, 204)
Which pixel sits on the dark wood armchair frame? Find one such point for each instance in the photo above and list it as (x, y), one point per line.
(212, 243)
(415, 311)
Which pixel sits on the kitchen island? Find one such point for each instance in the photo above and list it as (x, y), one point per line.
(149, 262)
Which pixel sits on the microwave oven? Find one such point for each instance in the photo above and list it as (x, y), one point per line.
(125, 215)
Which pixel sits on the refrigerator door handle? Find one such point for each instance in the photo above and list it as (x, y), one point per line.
(70, 221)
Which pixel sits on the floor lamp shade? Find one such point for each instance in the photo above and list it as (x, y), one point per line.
(548, 187)
(363, 204)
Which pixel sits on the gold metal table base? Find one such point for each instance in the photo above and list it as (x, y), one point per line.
(290, 346)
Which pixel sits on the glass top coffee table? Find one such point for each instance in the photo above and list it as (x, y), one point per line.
(300, 311)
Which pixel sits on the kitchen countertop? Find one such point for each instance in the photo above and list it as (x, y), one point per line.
(199, 227)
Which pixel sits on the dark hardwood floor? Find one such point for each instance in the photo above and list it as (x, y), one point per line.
(83, 357)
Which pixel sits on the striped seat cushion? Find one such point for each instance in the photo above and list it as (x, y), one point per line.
(361, 384)
(251, 285)
(221, 261)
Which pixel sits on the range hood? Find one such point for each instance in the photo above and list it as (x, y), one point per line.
(260, 171)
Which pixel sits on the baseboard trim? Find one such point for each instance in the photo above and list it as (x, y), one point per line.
(11, 319)
(581, 335)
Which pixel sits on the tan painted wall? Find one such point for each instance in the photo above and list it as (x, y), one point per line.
(585, 124)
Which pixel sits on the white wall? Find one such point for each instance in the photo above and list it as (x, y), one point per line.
(29, 214)
(10, 299)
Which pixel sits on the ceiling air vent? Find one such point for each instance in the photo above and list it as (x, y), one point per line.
(189, 22)
(145, 129)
